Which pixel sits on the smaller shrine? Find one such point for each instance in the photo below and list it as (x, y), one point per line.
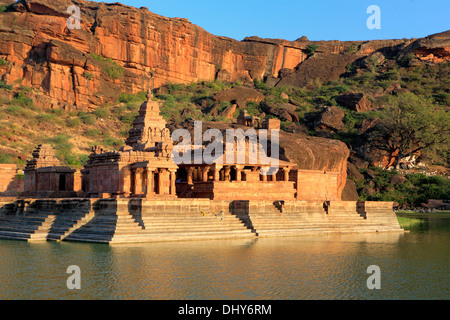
(44, 177)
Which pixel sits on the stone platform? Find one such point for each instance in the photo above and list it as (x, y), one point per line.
(141, 220)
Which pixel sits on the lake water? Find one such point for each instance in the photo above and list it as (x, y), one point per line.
(413, 265)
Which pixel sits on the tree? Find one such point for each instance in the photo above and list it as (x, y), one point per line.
(310, 49)
(409, 124)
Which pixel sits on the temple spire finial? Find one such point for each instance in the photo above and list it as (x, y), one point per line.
(149, 94)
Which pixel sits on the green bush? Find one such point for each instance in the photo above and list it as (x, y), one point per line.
(73, 122)
(21, 99)
(311, 49)
(101, 112)
(92, 132)
(137, 97)
(112, 142)
(88, 75)
(6, 158)
(260, 84)
(87, 118)
(113, 70)
(3, 85)
(253, 108)
(46, 118)
(17, 111)
(127, 118)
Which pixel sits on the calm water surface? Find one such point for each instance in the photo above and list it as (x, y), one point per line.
(413, 265)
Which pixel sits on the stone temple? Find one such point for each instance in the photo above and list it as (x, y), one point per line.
(139, 194)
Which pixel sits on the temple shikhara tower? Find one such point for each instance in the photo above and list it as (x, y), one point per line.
(143, 168)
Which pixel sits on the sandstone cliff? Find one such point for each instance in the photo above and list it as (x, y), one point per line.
(125, 49)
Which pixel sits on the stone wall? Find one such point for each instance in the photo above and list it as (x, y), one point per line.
(10, 184)
(316, 185)
(232, 190)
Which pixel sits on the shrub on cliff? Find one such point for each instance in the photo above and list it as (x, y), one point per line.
(113, 70)
(311, 49)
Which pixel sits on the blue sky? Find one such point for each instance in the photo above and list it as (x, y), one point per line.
(318, 20)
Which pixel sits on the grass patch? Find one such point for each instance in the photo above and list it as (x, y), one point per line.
(113, 70)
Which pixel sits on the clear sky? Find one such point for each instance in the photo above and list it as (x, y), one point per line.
(316, 19)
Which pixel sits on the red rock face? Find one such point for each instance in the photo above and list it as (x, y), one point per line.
(151, 50)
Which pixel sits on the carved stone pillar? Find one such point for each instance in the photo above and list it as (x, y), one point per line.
(216, 174)
(149, 183)
(227, 173)
(264, 174)
(238, 173)
(190, 173)
(172, 183)
(286, 174)
(205, 171)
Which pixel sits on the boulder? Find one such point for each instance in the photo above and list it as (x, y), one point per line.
(377, 58)
(397, 179)
(354, 101)
(349, 193)
(228, 113)
(330, 119)
(239, 95)
(353, 172)
(284, 111)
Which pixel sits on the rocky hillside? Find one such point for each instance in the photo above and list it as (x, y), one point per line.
(125, 49)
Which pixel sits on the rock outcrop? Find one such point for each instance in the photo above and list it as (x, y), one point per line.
(124, 49)
(330, 119)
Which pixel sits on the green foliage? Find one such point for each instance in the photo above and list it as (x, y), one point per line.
(21, 99)
(6, 158)
(88, 75)
(127, 118)
(353, 48)
(311, 49)
(73, 122)
(3, 85)
(5, 7)
(62, 146)
(252, 108)
(260, 84)
(216, 85)
(113, 70)
(3, 62)
(411, 123)
(101, 112)
(92, 133)
(112, 142)
(137, 97)
(86, 118)
(417, 188)
(76, 160)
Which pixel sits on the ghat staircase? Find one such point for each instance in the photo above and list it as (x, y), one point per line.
(125, 221)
